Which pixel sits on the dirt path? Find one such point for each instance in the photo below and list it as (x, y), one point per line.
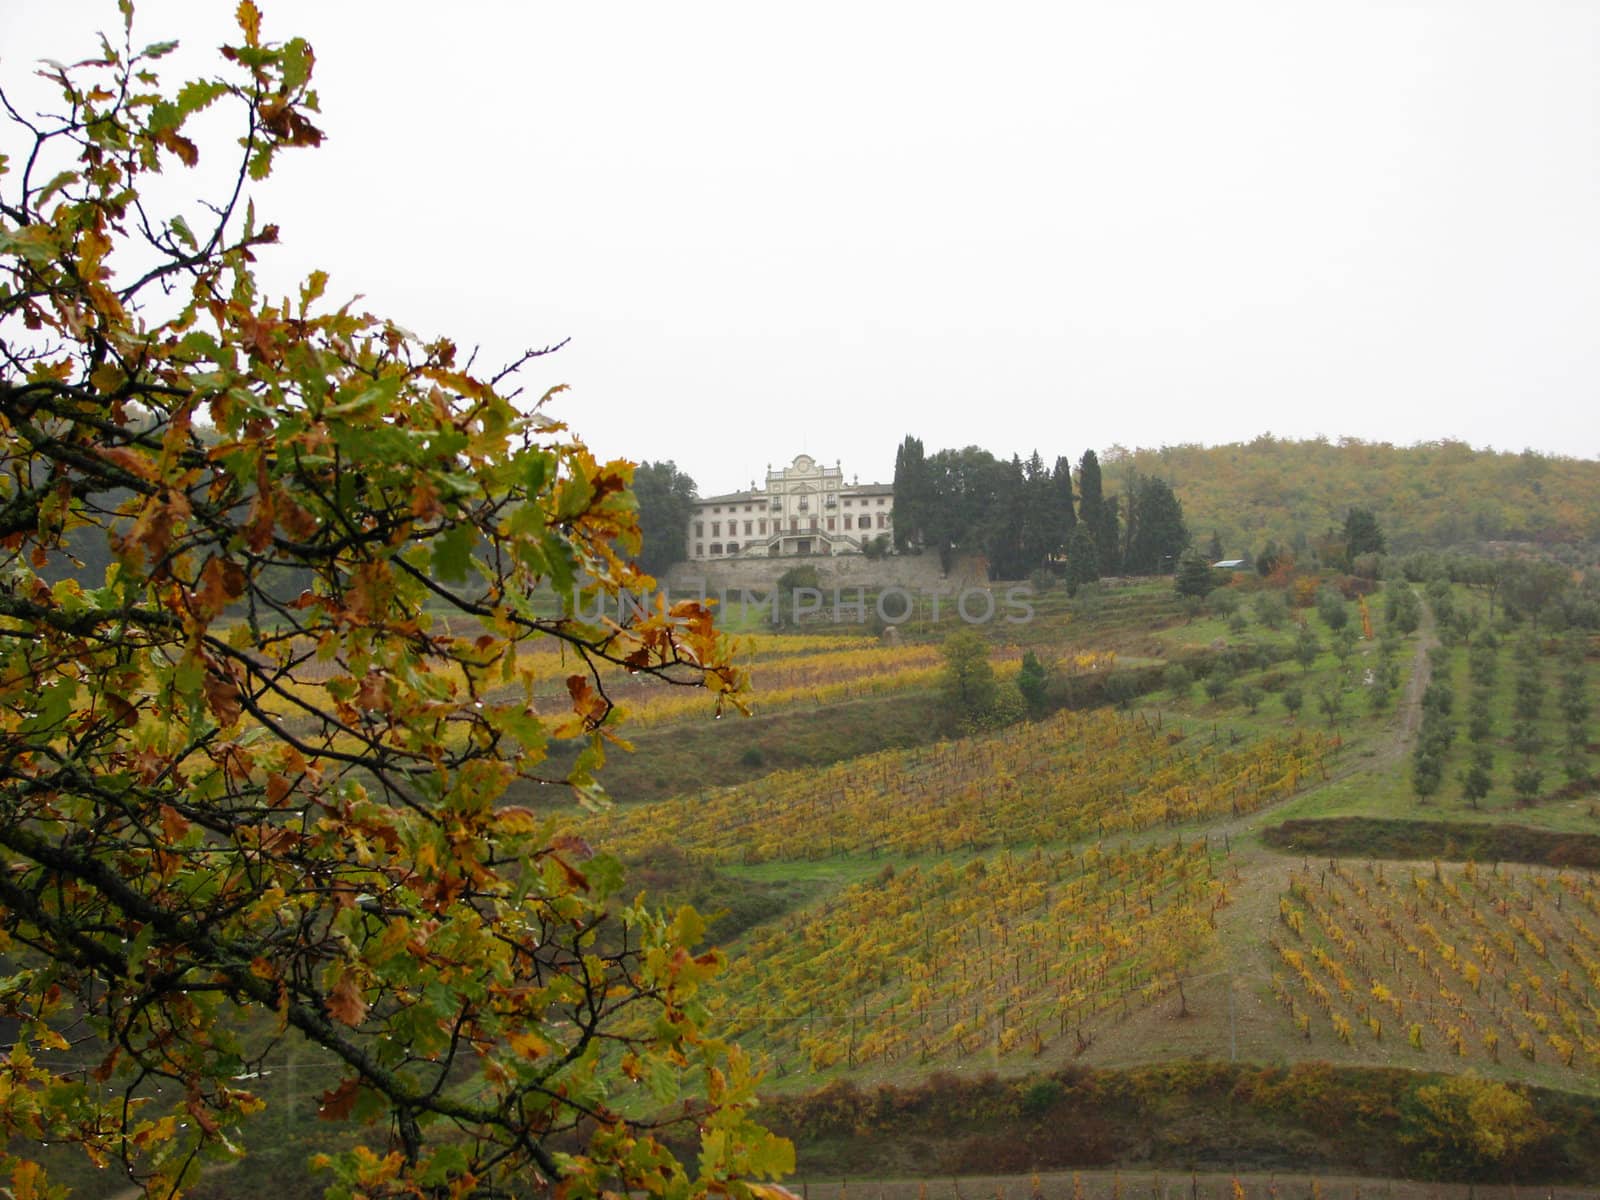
(1411, 703)
(1228, 978)
(1408, 717)
(1407, 720)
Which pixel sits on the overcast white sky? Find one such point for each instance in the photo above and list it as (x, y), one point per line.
(820, 227)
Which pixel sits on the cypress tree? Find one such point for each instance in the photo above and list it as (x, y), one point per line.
(1091, 496)
(911, 494)
(1063, 511)
(1098, 514)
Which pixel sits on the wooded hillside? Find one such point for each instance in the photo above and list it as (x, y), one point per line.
(1434, 494)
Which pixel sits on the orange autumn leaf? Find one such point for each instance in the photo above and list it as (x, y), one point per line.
(336, 1103)
(587, 703)
(173, 823)
(346, 1003)
(222, 697)
(222, 581)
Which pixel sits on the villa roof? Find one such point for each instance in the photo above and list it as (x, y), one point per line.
(731, 498)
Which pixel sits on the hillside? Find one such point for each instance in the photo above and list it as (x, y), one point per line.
(1432, 495)
(1125, 891)
(1194, 914)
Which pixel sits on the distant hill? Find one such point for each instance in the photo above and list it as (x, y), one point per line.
(1432, 495)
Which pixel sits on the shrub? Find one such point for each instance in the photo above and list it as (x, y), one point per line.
(1178, 680)
(1466, 1125)
(1033, 681)
(1121, 688)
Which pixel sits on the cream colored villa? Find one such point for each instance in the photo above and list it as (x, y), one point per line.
(806, 508)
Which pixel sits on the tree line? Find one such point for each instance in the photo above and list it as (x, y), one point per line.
(1023, 516)
(1430, 495)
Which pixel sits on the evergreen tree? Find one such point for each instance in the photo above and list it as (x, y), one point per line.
(1063, 508)
(1107, 539)
(1362, 534)
(1040, 537)
(1083, 558)
(666, 503)
(1004, 519)
(1099, 514)
(1127, 505)
(959, 495)
(1091, 494)
(910, 494)
(1194, 575)
(1033, 679)
(1157, 534)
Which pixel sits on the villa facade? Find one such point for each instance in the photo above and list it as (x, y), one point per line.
(805, 509)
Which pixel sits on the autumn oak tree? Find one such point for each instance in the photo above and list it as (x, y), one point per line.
(268, 618)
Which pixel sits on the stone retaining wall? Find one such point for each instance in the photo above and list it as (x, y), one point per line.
(915, 572)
